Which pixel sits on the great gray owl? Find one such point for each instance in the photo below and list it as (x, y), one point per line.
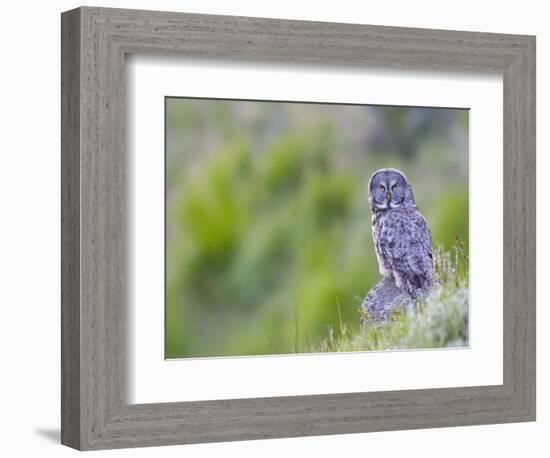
(401, 235)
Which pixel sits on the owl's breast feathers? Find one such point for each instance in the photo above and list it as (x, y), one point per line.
(404, 247)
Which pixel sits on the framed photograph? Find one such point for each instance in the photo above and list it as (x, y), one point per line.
(276, 228)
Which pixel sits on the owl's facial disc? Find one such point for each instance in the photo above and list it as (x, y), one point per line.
(388, 189)
(379, 189)
(397, 191)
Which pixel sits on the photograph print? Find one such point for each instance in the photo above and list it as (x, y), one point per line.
(295, 227)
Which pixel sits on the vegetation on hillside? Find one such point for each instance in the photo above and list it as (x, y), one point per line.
(440, 319)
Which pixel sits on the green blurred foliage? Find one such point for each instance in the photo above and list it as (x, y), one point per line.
(267, 222)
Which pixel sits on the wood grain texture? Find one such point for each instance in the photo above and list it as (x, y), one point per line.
(95, 410)
(70, 229)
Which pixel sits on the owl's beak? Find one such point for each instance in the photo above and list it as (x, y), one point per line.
(388, 197)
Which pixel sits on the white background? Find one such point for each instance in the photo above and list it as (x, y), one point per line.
(155, 380)
(29, 229)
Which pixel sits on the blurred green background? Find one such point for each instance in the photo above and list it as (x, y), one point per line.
(268, 229)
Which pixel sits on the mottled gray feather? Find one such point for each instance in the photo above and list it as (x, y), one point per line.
(404, 248)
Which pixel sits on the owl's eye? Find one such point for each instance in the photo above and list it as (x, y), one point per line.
(394, 188)
(382, 188)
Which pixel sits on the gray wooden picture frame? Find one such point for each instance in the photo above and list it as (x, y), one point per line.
(95, 411)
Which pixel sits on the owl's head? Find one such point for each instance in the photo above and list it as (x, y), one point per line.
(389, 188)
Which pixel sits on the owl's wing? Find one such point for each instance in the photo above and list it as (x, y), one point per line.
(406, 244)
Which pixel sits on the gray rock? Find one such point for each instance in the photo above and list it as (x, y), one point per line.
(383, 300)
